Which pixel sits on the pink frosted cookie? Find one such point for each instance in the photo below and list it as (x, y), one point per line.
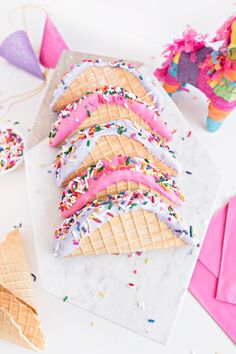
(86, 147)
(133, 108)
(97, 178)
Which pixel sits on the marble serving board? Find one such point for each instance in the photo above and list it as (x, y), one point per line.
(99, 284)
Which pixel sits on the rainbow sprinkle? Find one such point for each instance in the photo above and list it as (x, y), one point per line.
(33, 276)
(82, 223)
(104, 95)
(66, 152)
(81, 184)
(131, 285)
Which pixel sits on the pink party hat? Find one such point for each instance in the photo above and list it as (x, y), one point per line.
(18, 51)
(52, 45)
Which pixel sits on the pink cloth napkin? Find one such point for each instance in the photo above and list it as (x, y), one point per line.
(226, 289)
(214, 279)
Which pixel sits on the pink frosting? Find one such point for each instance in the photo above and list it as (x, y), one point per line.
(116, 176)
(91, 103)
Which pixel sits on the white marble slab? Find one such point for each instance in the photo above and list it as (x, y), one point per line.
(161, 284)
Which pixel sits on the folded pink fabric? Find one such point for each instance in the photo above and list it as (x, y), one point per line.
(226, 289)
(203, 286)
(211, 251)
(213, 279)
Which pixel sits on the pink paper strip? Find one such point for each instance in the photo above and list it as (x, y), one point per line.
(226, 290)
(203, 286)
(204, 281)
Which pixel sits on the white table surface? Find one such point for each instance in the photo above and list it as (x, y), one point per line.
(135, 32)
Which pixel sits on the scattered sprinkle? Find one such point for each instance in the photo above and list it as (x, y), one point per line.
(174, 131)
(100, 169)
(18, 226)
(97, 220)
(135, 271)
(188, 172)
(93, 324)
(147, 260)
(33, 276)
(191, 231)
(139, 253)
(128, 160)
(121, 130)
(189, 134)
(151, 320)
(65, 299)
(131, 285)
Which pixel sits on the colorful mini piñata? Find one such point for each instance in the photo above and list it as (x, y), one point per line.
(213, 71)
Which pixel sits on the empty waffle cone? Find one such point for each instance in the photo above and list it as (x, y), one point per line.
(131, 232)
(19, 322)
(10, 331)
(95, 77)
(14, 269)
(107, 147)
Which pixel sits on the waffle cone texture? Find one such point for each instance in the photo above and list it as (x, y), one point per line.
(106, 112)
(127, 233)
(94, 77)
(107, 147)
(19, 321)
